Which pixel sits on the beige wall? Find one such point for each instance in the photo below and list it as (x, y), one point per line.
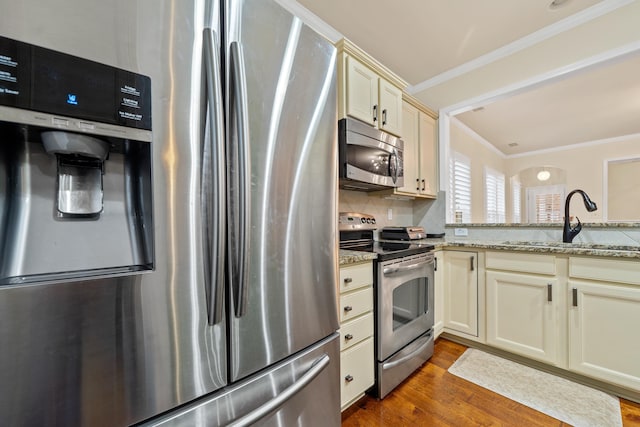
(584, 167)
(480, 155)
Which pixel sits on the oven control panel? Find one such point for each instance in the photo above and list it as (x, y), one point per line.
(356, 221)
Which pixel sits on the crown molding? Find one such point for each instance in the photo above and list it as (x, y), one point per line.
(312, 20)
(532, 39)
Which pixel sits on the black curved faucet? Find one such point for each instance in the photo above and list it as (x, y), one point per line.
(570, 232)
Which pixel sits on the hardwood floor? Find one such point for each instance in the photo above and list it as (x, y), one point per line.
(434, 397)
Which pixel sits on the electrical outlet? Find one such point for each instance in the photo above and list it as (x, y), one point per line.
(461, 232)
(389, 214)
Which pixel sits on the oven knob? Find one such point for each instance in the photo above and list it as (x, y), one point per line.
(373, 220)
(368, 220)
(362, 220)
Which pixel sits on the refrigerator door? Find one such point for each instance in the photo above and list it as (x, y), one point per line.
(282, 130)
(116, 351)
(292, 393)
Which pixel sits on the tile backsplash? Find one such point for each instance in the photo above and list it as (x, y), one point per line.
(358, 201)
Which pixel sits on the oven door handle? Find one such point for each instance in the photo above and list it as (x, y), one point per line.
(387, 271)
(390, 365)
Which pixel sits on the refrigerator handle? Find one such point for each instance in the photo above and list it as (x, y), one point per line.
(214, 183)
(274, 404)
(239, 92)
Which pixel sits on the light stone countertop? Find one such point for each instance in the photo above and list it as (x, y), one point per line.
(353, 257)
(587, 249)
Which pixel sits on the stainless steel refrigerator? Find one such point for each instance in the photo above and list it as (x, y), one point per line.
(168, 252)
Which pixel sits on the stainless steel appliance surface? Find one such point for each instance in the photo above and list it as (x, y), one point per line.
(161, 165)
(404, 299)
(370, 159)
(403, 233)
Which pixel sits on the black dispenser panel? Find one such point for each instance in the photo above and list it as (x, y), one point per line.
(39, 79)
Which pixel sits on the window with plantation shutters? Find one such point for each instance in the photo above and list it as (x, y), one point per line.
(516, 199)
(459, 188)
(494, 196)
(546, 204)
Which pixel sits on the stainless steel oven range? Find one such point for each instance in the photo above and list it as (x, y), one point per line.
(404, 286)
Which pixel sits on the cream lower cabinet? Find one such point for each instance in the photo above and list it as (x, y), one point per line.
(461, 292)
(604, 320)
(523, 305)
(356, 331)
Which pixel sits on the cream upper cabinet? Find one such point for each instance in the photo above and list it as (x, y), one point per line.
(428, 156)
(461, 292)
(371, 98)
(420, 152)
(411, 157)
(367, 90)
(361, 92)
(523, 309)
(390, 109)
(604, 315)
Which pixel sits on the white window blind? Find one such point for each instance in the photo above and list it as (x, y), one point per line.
(459, 187)
(494, 196)
(546, 204)
(516, 198)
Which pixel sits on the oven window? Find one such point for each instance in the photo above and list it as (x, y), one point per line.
(410, 301)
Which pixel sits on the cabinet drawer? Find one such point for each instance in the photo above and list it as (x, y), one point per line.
(356, 276)
(354, 304)
(609, 270)
(522, 262)
(356, 330)
(356, 371)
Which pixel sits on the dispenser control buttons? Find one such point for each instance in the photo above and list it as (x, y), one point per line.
(57, 121)
(86, 126)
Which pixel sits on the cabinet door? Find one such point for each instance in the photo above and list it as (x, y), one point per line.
(604, 341)
(461, 292)
(428, 156)
(438, 290)
(356, 371)
(390, 112)
(361, 92)
(410, 116)
(522, 314)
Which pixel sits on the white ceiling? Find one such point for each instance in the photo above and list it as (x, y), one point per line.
(424, 40)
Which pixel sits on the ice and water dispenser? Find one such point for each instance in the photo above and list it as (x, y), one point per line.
(75, 167)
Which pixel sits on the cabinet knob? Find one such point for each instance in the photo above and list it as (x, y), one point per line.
(348, 337)
(348, 308)
(348, 378)
(348, 280)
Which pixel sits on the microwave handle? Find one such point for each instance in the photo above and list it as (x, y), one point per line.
(393, 166)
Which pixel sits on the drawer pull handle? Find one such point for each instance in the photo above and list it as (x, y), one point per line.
(348, 337)
(348, 308)
(549, 292)
(348, 280)
(348, 378)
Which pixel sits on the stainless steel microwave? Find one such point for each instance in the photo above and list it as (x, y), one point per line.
(370, 159)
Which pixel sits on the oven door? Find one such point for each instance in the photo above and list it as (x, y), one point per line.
(404, 301)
